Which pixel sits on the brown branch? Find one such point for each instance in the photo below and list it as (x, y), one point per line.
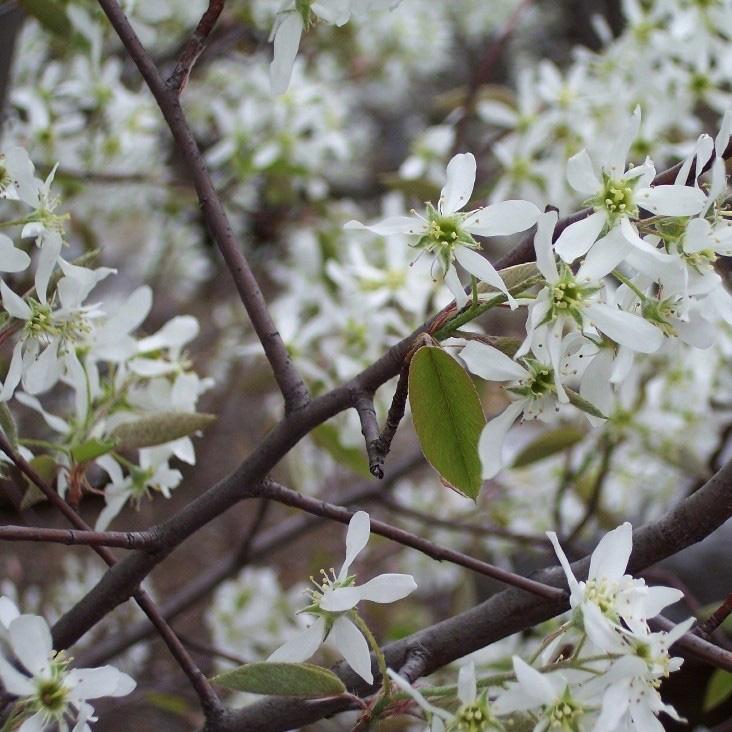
(210, 703)
(291, 385)
(281, 494)
(394, 416)
(713, 622)
(363, 403)
(119, 539)
(274, 539)
(195, 46)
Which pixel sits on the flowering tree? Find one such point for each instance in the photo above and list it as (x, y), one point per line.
(541, 239)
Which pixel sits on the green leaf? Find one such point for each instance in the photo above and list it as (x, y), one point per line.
(547, 444)
(282, 679)
(576, 400)
(448, 418)
(50, 15)
(327, 436)
(718, 690)
(160, 428)
(91, 449)
(45, 466)
(171, 703)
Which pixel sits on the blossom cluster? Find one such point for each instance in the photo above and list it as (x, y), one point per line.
(65, 343)
(600, 671)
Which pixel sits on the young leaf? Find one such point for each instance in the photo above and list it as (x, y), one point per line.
(718, 690)
(51, 15)
(576, 400)
(91, 449)
(160, 428)
(282, 679)
(448, 418)
(547, 444)
(45, 466)
(7, 425)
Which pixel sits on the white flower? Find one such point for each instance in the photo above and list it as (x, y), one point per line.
(617, 195)
(48, 692)
(616, 595)
(448, 234)
(334, 598)
(474, 713)
(561, 707)
(12, 259)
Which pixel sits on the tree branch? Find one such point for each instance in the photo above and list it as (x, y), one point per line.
(291, 385)
(119, 539)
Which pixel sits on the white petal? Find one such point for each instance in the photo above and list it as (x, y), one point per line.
(36, 723)
(625, 328)
(91, 683)
(483, 270)
(604, 255)
(460, 181)
(14, 304)
(614, 706)
(456, 287)
(491, 364)
(658, 598)
(51, 244)
(569, 574)
(8, 611)
(340, 599)
(175, 333)
(501, 219)
(302, 646)
(392, 225)
(535, 684)
(351, 644)
(467, 686)
(14, 681)
(286, 43)
(12, 259)
(611, 555)
(581, 174)
(359, 528)
(15, 371)
(621, 146)
(671, 200)
(578, 237)
(490, 445)
(421, 701)
(30, 640)
(545, 258)
(387, 588)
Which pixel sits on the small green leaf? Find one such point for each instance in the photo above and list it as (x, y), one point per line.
(45, 466)
(50, 15)
(160, 428)
(7, 425)
(547, 444)
(576, 400)
(91, 449)
(718, 690)
(282, 679)
(448, 418)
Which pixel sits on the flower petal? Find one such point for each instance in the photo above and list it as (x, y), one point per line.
(460, 181)
(611, 555)
(386, 588)
(91, 683)
(578, 237)
(671, 200)
(483, 270)
(490, 445)
(581, 174)
(536, 685)
(491, 364)
(467, 686)
(340, 599)
(391, 225)
(302, 646)
(545, 257)
(30, 640)
(14, 304)
(359, 528)
(456, 287)
(562, 557)
(351, 644)
(286, 44)
(501, 219)
(624, 328)
(619, 151)
(14, 681)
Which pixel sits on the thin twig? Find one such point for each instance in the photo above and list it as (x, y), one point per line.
(394, 416)
(293, 389)
(193, 49)
(281, 494)
(713, 622)
(363, 403)
(118, 539)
